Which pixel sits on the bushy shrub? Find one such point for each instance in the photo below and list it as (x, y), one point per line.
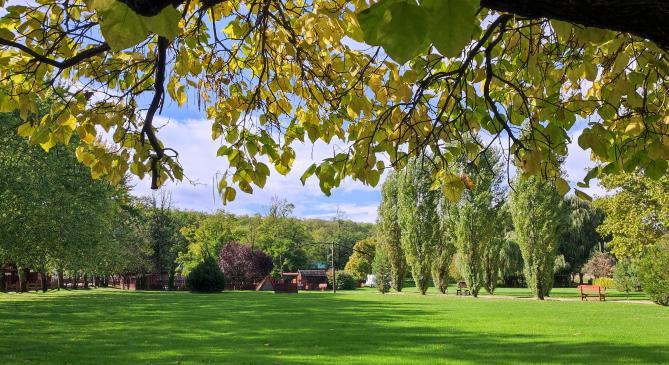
(600, 265)
(206, 277)
(654, 273)
(606, 283)
(626, 276)
(382, 271)
(345, 281)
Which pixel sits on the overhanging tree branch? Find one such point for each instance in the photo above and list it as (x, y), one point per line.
(644, 18)
(148, 130)
(81, 56)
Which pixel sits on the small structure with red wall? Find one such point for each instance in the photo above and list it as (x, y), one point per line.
(311, 279)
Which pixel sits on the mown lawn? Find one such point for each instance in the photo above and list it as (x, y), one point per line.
(361, 327)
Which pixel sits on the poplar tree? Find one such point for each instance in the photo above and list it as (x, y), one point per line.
(390, 232)
(537, 211)
(418, 219)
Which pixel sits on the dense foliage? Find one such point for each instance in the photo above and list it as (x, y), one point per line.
(206, 277)
(537, 212)
(626, 275)
(580, 237)
(477, 226)
(637, 215)
(359, 264)
(390, 232)
(600, 265)
(382, 270)
(345, 281)
(270, 75)
(654, 272)
(418, 219)
(244, 266)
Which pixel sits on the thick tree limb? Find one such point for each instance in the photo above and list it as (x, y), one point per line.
(148, 130)
(83, 55)
(644, 18)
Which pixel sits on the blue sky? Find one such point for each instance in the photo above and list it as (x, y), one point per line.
(186, 130)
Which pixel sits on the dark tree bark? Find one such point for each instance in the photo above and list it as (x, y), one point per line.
(61, 279)
(23, 279)
(644, 18)
(44, 278)
(85, 281)
(3, 286)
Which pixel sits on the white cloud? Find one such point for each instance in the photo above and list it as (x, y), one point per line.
(197, 153)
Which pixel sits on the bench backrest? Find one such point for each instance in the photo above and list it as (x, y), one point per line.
(591, 288)
(462, 284)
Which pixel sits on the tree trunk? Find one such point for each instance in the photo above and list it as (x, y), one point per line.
(61, 279)
(3, 286)
(170, 280)
(644, 18)
(580, 278)
(45, 281)
(75, 283)
(85, 281)
(23, 279)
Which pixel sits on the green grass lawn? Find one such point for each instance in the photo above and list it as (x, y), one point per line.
(360, 327)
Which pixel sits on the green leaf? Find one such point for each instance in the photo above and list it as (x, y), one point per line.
(123, 28)
(656, 169)
(310, 171)
(582, 195)
(562, 186)
(452, 187)
(400, 27)
(451, 23)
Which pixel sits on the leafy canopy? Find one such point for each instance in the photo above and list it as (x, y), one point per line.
(275, 73)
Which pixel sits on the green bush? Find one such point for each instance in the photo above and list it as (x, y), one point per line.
(626, 276)
(345, 281)
(381, 270)
(654, 273)
(606, 283)
(206, 277)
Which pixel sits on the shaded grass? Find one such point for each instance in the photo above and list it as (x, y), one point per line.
(359, 327)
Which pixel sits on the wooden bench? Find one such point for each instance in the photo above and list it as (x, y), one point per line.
(592, 291)
(463, 289)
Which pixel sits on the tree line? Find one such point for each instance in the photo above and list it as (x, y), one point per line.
(58, 220)
(487, 232)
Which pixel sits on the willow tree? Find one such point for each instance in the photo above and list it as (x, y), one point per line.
(538, 212)
(419, 219)
(389, 231)
(270, 74)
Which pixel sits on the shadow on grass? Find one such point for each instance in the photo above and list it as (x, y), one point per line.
(112, 327)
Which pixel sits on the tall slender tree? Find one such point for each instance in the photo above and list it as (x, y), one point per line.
(445, 250)
(537, 211)
(390, 233)
(477, 224)
(418, 218)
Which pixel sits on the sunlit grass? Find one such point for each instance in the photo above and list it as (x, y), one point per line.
(359, 327)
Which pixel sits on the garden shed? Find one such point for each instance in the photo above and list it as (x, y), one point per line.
(311, 279)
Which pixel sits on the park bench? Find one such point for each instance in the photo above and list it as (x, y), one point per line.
(322, 286)
(463, 289)
(592, 291)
